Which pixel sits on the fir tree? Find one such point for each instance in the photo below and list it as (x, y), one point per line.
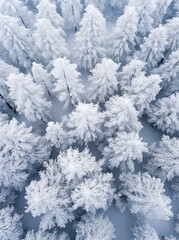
(10, 224)
(172, 27)
(123, 37)
(145, 232)
(41, 235)
(145, 195)
(42, 77)
(17, 9)
(49, 40)
(145, 9)
(124, 150)
(90, 39)
(68, 84)
(134, 69)
(121, 116)
(21, 151)
(171, 237)
(7, 197)
(94, 193)
(176, 6)
(16, 39)
(164, 114)
(84, 123)
(161, 7)
(164, 162)
(28, 97)
(104, 80)
(71, 11)
(56, 135)
(143, 91)
(5, 70)
(46, 9)
(153, 48)
(169, 72)
(96, 227)
(77, 165)
(50, 198)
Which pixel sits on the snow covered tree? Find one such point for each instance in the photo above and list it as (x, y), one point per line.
(56, 135)
(17, 9)
(76, 165)
(68, 84)
(143, 91)
(124, 150)
(52, 37)
(172, 27)
(16, 39)
(10, 224)
(50, 197)
(42, 77)
(94, 193)
(118, 3)
(7, 197)
(41, 235)
(90, 39)
(95, 227)
(164, 114)
(161, 7)
(71, 11)
(84, 123)
(123, 38)
(4, 118)
(100, 4)
(145, 232)
(49, 40)
(153, 48)
(47, 9)
(176, 6)
(20, 152)
(5, 70)
(164, 162)
(169, 72)
(145, 195)
(121, 116)
(28, 97)
(5, 56)
(145, 9)
(104, 80)
(134, 69)
(171, 237)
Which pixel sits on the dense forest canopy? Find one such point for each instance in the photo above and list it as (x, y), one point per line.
(89, 123)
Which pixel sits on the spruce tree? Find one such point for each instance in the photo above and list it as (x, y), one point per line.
(124, 38)
(17, 40)
(28, 97)
(103, 81)
(49, 40)
(68, 85)
(90, 39)
(71, 11)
